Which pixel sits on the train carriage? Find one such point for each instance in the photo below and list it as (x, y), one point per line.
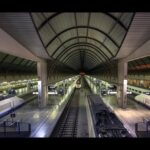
(78, 83)
(105, 122)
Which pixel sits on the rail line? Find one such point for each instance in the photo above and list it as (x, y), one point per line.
(68, 123)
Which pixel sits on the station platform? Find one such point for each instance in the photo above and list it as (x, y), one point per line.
(42, 120)
(132, 114)
(14, 102)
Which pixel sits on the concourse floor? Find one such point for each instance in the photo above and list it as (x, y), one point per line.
(132, 114)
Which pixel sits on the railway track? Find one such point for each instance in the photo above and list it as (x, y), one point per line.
(68, 123)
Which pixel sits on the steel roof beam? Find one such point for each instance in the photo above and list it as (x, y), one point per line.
(58, 13)
(89, 27)
(85, 38)
(88, 54)
(88, 51)
(117, 20)
(13, 60)
(68, 60)
(75, 18)
(88, 45)
(4, 58)
(48, 19)
(53, 30)
(94, 60)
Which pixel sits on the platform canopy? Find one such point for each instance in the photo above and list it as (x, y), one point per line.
(139, 65)
(16, 64)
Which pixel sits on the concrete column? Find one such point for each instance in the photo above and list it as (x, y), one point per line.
(42, 83)
(122, 84)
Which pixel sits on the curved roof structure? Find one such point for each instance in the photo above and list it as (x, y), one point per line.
(16, 64)
(82, 40)
(139, 64)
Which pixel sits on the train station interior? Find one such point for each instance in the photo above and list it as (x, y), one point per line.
(74, 74)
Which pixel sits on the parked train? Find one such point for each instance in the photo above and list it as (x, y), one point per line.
(144, 99)
(10, 103)
(105, 122)
(130, 90)
(53, 90)
(78, 83)
(140, 95)
(138, 90)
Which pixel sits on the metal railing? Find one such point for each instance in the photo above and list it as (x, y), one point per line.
(142, 129)
(14, 129)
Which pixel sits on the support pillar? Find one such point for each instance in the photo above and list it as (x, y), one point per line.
(122, 84)
(42, 83)
(28, 86)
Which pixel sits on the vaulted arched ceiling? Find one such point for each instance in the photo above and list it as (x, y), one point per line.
(82, 40)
